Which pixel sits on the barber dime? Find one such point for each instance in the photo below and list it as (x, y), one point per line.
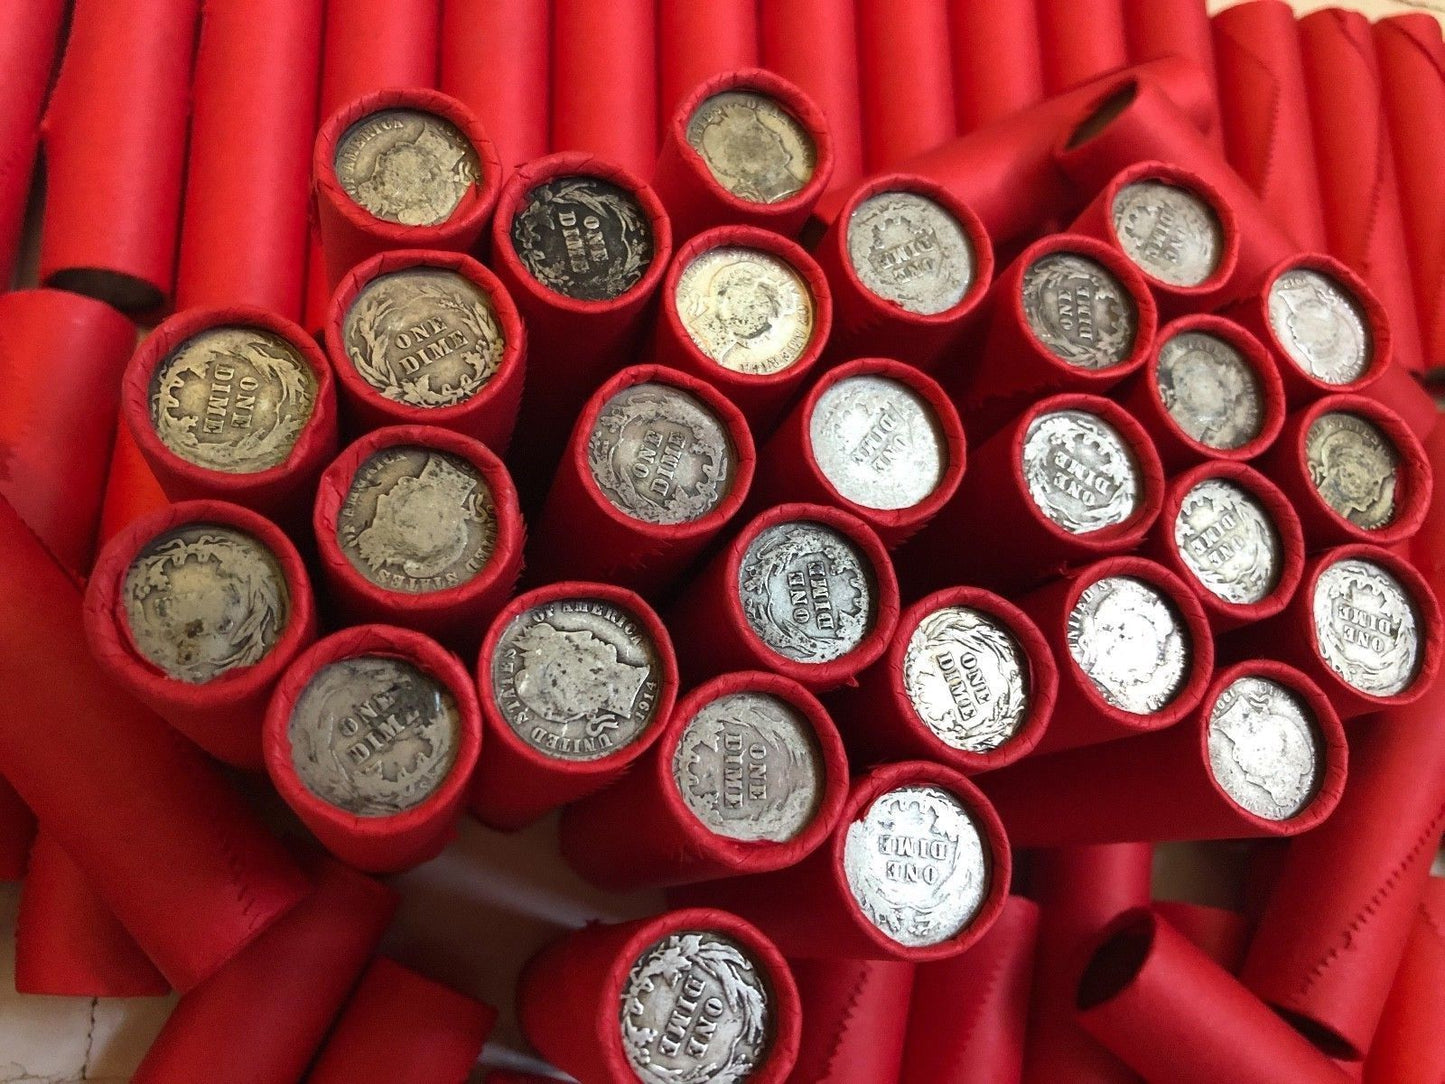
(1079, 472)
(1321, 325)
(583, 237)
(1367, 627)
(407, 166)
(1168, 231)
(746, 309)
(1130, 643)
(1079, 311)
(1210, 390)
(1354, 467)
(910, 250)
(967, 678)
(1265, 748)
(753, 147)
(878, 442)
(1228, 541)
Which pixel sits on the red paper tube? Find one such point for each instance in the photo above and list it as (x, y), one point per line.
(131, 490)
(569, 996)
(997, 69)
(271, 1006)
(906, 79)
(1423, 553)
(548, 664)
(402, 1028)
(696, 42)
(1163, 28)
(856, 1019)
(1408, 1047)
(604, 80)
(1080, 40)
(17, 831)
(496, 59)
(28, 44)
(1221, 935)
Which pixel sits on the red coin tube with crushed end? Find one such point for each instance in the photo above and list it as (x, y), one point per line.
(1408, 1046)
(906, 79)
(17, 833)
(855, 1014)
(570, 996)
(27, 57)
(1220, 934)
(222, 715)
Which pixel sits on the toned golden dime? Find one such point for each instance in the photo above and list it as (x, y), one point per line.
(752, 145)
(746, 309)
(407, 166)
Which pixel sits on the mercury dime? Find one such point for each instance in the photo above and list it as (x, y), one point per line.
(1228, 541)
(1079, 311)
(696, 1009)
(918, 865)
(1168, 231)
(1320, 325)
(232, 399)
(583, 237)
(746, 309)
(1264, 748)
(753, 147)
(203, 600)
(967, 678)
(1366, 627)
(407, 166)
(576, 678)
(1129, 642)
(658, 454)
(878, 442)
(1079, 471)
(1210, 390)
(908, 249)
(1354, 467)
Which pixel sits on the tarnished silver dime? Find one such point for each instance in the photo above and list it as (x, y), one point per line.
(1079, 311)
(1354, 467)
(1228, 541)
(584, 238)
(203, 600)
(807, 591)
(1130, 643)
(696, 1009)
(1265, 748)
(232, 399)
(1321, 325)
(878, 442)
(577, 678)
(1366, 627)
(746, 309)
(1210, 390)
(407, 166)
(1079, 471)
(752, 146)
(658, 454)
(967, 678)
(1168, 232)
(908, 249)
(918, 865)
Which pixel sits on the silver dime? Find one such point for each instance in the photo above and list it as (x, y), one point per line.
(1265, 748)
(577, 678)
(909, 250)
(1168, 232)
(1079, 311)
(1366, 626)
(752, 146)
(749, 767)
(203, 600)
(373, 735)
(659, 455)
(1079, 471)
(967, 678)
(746, 309)
(1130, 643)
(1354, 468)
(407, 166)
(583, 237)
(1228, 541)
(232, 399)
(696, 1009)
(1321, 325)
(1210, 390)
(878, 442)
(807, 592)
(918, 865)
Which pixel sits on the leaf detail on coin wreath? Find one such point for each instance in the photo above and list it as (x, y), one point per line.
(370, 312)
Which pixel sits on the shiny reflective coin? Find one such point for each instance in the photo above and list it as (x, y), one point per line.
(1228, 541)
(696, 1009)
(807, 592)
(747, 310)
(908, 249)
(1265, 748)
(1168, 232)
(1210, 390)
(577, 678)
(878, 442)
(1321, 326)
(1079, 311)
(1354, 467)
(661, 456)
(1079, 471)
(583, 238)
(232, 399)
(1130, 643)
(1366, 627)
(373, 735)
(752, 146)
(407, 166)
(967, 678)
(918, 865)
(203, 600)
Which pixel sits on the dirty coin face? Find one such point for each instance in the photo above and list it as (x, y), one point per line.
(878, 442)
(1210, 390)
(1320, 325)
(746, 309)
(583, 237)
(1168, 232)
(1079, 472)
(967, 678)
(1130, 643)
(1265, 748)
(1228, 541)
(1354, 467)
(752, 146)
(1079, 311)
(909, 250)
(407, 166)
(1366, 627)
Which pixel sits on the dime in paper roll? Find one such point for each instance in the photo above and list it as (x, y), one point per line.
(1265, 748)
(1168, 232)
(583, 237)
(1366, 626)
(407, 166)
(1210, 390)
(1080, 472)
(752, 145)
(1228, 541)
(1131, 644)
(1354, 467)
(1079, 311)
(967, 678)
(1321, 325)
(910, 250)
(746, 309)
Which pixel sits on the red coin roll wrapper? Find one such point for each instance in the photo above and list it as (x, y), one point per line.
(568, 997)
(270, 1008)
(223, 715)
(856, 1016)
(517, 783)
(131, 490)
(599, 836)
(1162, 28)
(1221, 935)
(17, 832)
(604, 80)
(905, 79)
(997, 69)
(28, 44)
(402, 1028)
(496, 59)
(1408, 1047)
(696, 42)
(1080, 40)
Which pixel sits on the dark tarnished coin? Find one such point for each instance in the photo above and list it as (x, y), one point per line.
(1265, 748)
(909, 250)
(1321, 325)
(878, 442)
(752, 146)
(1168, 232)
(203, 600)
(1228, 541)
(660, 456)
(407, 166)
(1366, 627)
(1131, 645)
(696, 1009)
(967, 678)
(577, 678)
(584, 238)
(232, 399)
(746, 309)
(1079, 311)
(1079, 472)
(1354, 467)
(1210, 390)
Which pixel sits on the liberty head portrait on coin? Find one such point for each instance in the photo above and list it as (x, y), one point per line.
(1354, 467)
(1078, 311)
(407, 166)
(752, 145)
(908, 249)
(746, 309)
(1079, 471)
(1210, 390)
(1131, 644)
(1169, 232)
(583, 237)
(1265, 749)
(1366, 627)
(1320, 325)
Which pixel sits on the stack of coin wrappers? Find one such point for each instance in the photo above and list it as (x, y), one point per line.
(867, 472)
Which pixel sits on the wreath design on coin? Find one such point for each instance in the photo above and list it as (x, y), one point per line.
(634, 232)
(620, 484)
(788, 638)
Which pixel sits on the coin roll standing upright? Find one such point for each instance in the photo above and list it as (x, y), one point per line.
(609, 108)
(696, 42)
(905, 80)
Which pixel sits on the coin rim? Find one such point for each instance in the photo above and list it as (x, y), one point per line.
(1377, 328)
(1177, 177)
(1282, 518)
(1272, 408)
(1411, 497)
(1135, 289)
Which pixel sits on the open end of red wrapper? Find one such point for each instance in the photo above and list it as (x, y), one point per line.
(1117, 960)
(1111, 103)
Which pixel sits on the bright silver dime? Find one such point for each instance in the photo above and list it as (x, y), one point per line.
(1228, 541)
(1210, 391)
(752, 146)
(1079, 311)
(909, 250)
(584, 238)
(1265, 748)
(407, 166)
(746, 309)
(878, 442)
(967, 678)
(1366, 627)
(1168, 232)
(1354, 467)
(1321, 325)
(1130, 643)
(1079, 472)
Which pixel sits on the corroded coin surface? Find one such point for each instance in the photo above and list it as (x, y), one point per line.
(878, 442)
(583, 237)
(658, 454)
(1129, 642)
(577, 678)
(407, 166)
(1321, 325)
(1354, 467)
(807, 591)
(747, 310)
(752, 146)
(1228, 541)
(1210, 390)
(1366, 627)
(232, 399)
(908, 249)
(967, 678)
(918, 865)
(696, 1009)
(203, 600)
(1079, 311)
(1079, 471)
(1168, 232)
(1265, 748)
